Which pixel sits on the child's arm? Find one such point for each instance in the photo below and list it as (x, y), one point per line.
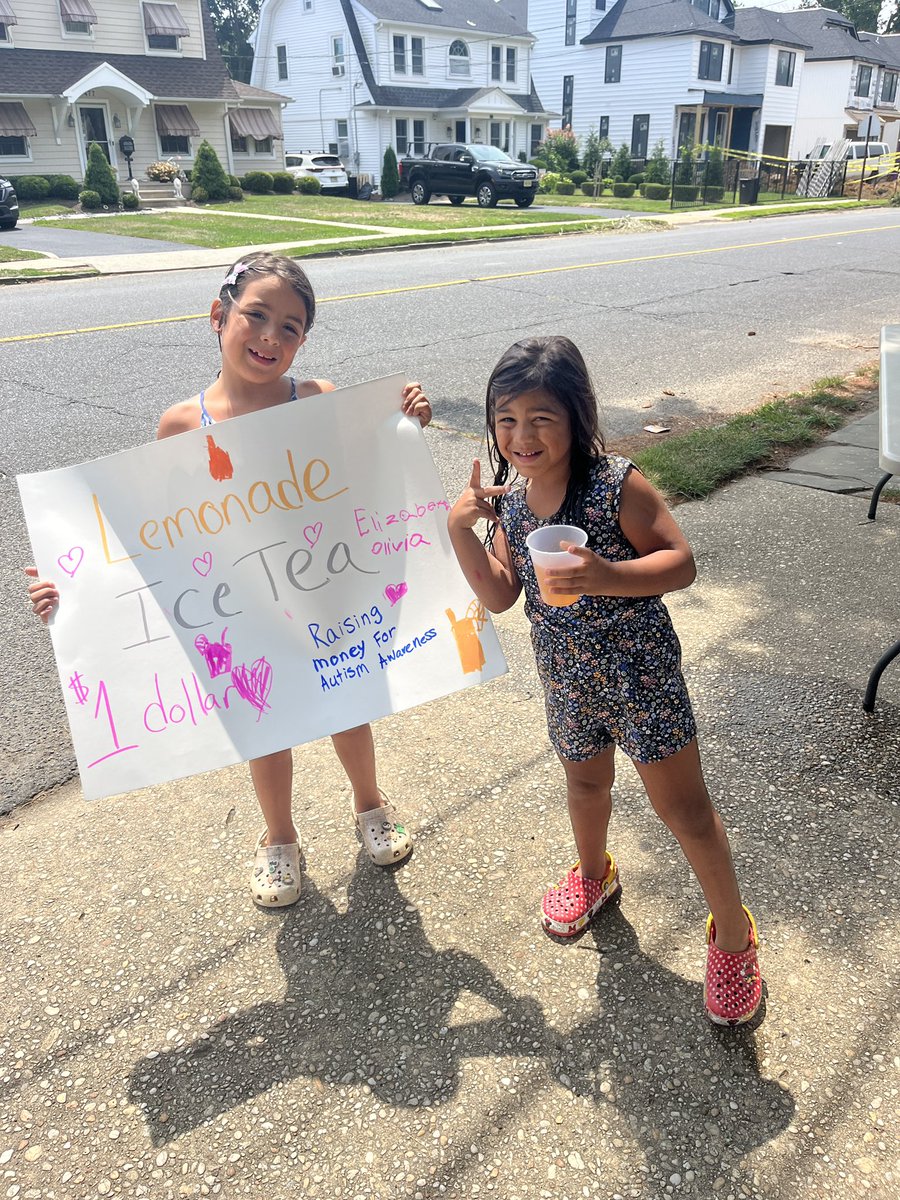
(416, 403)
(491, 577)
(665, 562)
(43, 595)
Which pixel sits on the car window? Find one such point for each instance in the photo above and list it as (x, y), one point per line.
(326, 160)
(293, 160)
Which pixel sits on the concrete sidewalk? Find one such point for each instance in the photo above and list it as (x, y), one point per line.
(412, 1033)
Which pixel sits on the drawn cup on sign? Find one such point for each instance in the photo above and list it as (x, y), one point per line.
(71, 561)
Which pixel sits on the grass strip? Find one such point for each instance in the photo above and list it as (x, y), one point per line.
(11, 254)
(692, 465)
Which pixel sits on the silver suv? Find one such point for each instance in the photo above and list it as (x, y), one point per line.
(327, 168)
(9, 205)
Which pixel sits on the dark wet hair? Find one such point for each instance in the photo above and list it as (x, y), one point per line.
(259, 264)
(554, 365)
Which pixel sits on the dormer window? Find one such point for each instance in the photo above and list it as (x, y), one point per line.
(863, 81)
(711, 55)
(7, 18)
(458, 58)
(77, 17)
(164, 26)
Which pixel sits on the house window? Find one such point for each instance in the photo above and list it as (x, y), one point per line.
(459, 58)
(710, 7)
(281, 59)
(535, 137)
(640, 131)
(77, 17)
(889, 87)
(263, 145)
(730, 65)
(571, 14)
(613, 64)
(4, 33)
(863, 81)
(496, 57)
(163, 24)
(600, 5)
(604, 128)
(499, 132)
(687, 126)
(418, 143)
(174, 144)
(784, 69)
(399, 43)
(13, 147)
(238, 143)
(341, 146)
(337, 55)
(400, 135)
(711, 54)
(511, 67)
(417, 54)
(307, 5)
(568, 91)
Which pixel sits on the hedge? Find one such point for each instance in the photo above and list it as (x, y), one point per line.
(623, 190)
(685, 192)
(655, 191)
(282, 182)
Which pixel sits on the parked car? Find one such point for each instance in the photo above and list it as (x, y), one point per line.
(9, 205)
(327, 168)
(876, 156)
(456, 170)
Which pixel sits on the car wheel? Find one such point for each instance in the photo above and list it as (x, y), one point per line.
(420, 193)
(9, 224)
(456, 199)
(524, 201)
(487, 195)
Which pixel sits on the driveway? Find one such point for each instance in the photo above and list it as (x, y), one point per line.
(69, 243)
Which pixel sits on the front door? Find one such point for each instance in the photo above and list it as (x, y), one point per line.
(93, 129)
(461, 131)
(640, 132)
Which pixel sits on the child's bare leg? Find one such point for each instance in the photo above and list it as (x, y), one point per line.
(589, 795)
(678, 793)
(273, 778)
(356, 750)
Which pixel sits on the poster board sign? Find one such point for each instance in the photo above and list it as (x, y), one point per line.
(245, 587)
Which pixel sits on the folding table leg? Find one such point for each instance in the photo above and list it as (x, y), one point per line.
(877, 671)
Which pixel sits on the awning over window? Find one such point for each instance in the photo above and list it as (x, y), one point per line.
(77, 10)
(7, 16)
(164, 19)
(258, 123)
(15, 121)
(175, 120)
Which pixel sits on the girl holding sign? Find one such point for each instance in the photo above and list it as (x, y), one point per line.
(262, 315)
(606, 651)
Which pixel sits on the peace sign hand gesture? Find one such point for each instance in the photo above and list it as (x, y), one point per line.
(474, 504)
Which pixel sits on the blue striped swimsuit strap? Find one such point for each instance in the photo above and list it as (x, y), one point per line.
(206, 419)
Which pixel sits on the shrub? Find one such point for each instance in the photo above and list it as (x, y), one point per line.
(548, 181)
(715, 169)
(588, 189)
(623, 190)
(895, 200)
(655, 191)
(209, 174)
(579, 177)
(233, 181)
(657, 169)
(90, 200)
(307, 185)
(621, 163)
(163, 171)
(565, 187)
(522, 156)
(684, 172)
(390, 176)
(560, 149)
(258, 182)
(636, 179)
(540, 163)
(130, 201)
(712, 195)
(685, 192)
(199, 195)
(32, 187)
(100, 177)
(282, 182)
(596, 149)
(63, 187)
(236, 193)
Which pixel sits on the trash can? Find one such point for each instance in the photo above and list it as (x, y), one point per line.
(353, 187)
(749, 190)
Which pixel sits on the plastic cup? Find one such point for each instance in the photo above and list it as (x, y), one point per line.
(544, 546)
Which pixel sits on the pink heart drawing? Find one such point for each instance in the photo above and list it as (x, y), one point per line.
(395, 592)
(312, 533)
(72, 561)
(254, 684)
(203, 565)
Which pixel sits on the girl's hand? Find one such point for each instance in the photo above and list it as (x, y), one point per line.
(474, 505)
(43, 594)
(416, 404)
(594, 576)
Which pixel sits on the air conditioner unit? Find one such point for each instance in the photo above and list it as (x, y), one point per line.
(337, 70)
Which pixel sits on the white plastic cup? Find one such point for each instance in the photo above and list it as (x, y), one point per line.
(544, 546)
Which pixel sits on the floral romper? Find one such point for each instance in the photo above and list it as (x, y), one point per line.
(610, 665)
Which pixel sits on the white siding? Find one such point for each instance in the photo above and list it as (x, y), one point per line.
(824, 87)
(119, 28)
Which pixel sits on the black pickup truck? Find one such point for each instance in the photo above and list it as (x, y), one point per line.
(455, 170)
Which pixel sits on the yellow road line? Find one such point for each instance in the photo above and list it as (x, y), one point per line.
(425, 287)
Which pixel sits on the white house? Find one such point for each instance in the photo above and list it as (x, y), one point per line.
(368, 74)
(642, 70)
(74, 72)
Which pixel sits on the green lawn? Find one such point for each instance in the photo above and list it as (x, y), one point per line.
(9, 254)
(45, 208)
(211, 231)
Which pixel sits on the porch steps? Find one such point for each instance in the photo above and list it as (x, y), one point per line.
(155, 194)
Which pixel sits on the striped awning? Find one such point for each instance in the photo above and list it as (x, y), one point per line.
(258, 123)
(15, 121)
(7, 16)
(164, 19)
(175, 120)
(77, 10)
